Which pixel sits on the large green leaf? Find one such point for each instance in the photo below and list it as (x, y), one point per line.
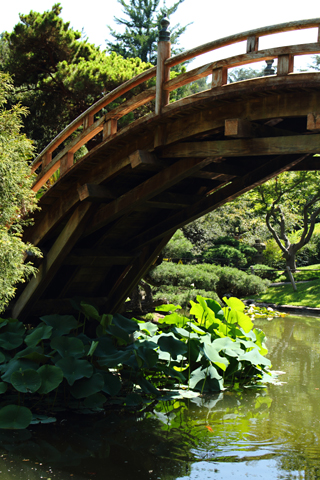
(114, 360)
(95, 400)
(61, 324)
(148, 327)
(3, 387)
(130, 326)
(41, 332)
(212, 353)
(169, 343)
(74, 369)
(87, 386)
(112, 384)
(16, 364)
(196, 376)
(174, 319)
(89, 311)
(26, 381)
(51, 377)
(228, 346)
(15, 417)
(167, 308)
(234, 303)
(106, 347)
(68, 346)
(10, 340)
(255, 358)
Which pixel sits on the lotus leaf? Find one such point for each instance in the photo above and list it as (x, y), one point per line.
(148, 327)
(15, 417)
(116, 359)
(174, 319)
(51, 377)
(89, 311)
(61, 324)
(255, 358)
(133, 399)
(3, 387)
(10, 340)
(26, 381)
(2, 357)
(130, 326)
(16, 364)
(167, 308)
(95, 400)
(212, 354)
(42, 419)
(169, 343)
(106, 347)
(74, 368)
(234, 303)
(41, 332)
(112, 384)
(87, 386)
(68, 346)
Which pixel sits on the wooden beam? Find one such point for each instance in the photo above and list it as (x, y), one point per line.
(97, 257)
(313, 122)
(145, 191)
(219, 77)
(131, 277)
(53, 260)
(285, 64)
(142, 157)
(172, 200)
(255, 146)
(221, 196)
(243, 128)
(95, 193)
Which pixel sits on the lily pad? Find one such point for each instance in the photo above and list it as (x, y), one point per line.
(42, 332)
(61, 324)
(169, 343)
(67, 346)
(74, 369)
(15, 417)
(26, 381)
(51, 377)
(87, 386)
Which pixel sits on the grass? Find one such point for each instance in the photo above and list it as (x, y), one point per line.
(307, 294)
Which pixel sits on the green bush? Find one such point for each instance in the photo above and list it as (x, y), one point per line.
(238, 283)
(178, 247)
(189, 276)
(182, 295)
(264, 271)
(230, 251)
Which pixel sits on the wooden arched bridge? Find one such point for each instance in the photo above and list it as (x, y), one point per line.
(110, 213)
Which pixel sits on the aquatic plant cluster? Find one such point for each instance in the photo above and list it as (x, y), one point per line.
(58, 365)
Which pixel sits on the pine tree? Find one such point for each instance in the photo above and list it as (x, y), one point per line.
(142, 27)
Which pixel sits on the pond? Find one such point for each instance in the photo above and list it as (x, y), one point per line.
(266, 433)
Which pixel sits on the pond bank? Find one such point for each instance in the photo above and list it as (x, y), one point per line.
(290, 309)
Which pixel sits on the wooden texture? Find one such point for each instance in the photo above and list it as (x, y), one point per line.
(163, 75)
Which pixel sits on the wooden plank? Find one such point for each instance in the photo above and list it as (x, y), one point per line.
(252, 44)
(313, 122)
(285, 64)
(66, 163)
(110, 128)
(145, 191)
(172, 200)
(95, 193)
(238, 60)
(223, 195)
(243, 128)
(142, 157)
(132, 104)
(239, 37)
(238, 147)
(219, 77)
(52, 261)
(163, 75)
(35, 233)
(132, 275)
(98, 258)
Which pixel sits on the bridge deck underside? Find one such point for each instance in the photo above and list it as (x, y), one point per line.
(103, 224)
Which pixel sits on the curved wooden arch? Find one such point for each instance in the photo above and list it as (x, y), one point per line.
(102, 225)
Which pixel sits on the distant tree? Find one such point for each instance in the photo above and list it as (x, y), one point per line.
(238, 74)
(57, 74)
(17, 199)
(290, 196)
(142, 27)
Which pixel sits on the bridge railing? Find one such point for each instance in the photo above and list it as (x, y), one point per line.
(107, 123)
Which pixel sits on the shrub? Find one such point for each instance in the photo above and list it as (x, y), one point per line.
(238, 283)
(178, 247)
(231, 252)
(264, 271)
(188, 276)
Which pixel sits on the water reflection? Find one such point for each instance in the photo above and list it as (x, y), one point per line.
(267, 433)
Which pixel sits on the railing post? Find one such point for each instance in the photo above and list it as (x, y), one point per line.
(163, 72)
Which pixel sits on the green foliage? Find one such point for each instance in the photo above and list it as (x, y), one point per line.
(176, 281)
(179, 247)
(264, 271)
(58, 75)
(142, 25)
(127, 361)
(230, 251)
(17, 199)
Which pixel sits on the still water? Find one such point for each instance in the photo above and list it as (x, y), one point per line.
(269, 433)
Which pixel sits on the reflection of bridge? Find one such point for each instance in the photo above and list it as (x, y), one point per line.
(105, 220)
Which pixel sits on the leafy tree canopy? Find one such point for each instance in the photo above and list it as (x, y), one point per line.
(142, 25)
(57, 73)
(16, 197)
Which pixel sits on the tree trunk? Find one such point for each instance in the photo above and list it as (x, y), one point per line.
(291, 261)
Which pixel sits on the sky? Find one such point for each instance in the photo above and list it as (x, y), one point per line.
(209, 20)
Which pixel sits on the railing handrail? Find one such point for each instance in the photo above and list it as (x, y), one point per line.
(239, 37)
(219, 69)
